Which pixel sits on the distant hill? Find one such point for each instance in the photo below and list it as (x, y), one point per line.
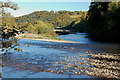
(59, 19)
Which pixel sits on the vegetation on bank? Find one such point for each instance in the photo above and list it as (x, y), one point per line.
(59, 19)
(103, 21)
(8, 28)
(38, 27)
(50, 20)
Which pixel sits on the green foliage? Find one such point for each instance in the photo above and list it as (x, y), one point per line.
(7, 35)
(78, 25)
(43, 28)
(39, 27)
(44, 22)
(7, 28)
(8, 20)
(103, 21)
(59, 19)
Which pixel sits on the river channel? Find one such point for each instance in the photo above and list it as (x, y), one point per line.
(57, 60)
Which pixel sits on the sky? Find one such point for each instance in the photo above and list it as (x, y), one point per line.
(48, 0)
(31, 6)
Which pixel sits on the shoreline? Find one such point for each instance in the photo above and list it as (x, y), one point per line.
(51, 40)
(37, 37)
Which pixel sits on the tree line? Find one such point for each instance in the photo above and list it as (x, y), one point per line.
(59, 19)
(42, 22)
(101, 21)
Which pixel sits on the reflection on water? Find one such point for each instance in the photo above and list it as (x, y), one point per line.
(79, 37)
(70, 59)
(82, 38)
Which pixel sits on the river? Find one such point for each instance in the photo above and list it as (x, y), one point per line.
(54, 60)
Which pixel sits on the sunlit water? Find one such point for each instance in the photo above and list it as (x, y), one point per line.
(52, 60)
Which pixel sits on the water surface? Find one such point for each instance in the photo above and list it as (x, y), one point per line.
(54, 60)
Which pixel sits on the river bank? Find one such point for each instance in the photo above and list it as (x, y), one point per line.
(42, 38)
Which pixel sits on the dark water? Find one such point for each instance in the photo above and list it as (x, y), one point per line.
(79, 37)
(82, 38)
(54, 60)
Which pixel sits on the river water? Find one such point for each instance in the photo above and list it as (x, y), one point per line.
(78, 37)
(54, 60)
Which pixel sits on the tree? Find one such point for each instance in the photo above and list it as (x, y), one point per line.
(41, 27)
(103, 21)
(8, 29)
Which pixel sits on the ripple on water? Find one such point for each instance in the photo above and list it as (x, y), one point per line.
(48, 59)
